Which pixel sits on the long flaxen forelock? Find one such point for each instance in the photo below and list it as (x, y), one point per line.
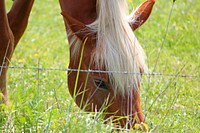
(117, 48)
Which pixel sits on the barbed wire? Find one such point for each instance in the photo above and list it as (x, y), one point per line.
(102, 71)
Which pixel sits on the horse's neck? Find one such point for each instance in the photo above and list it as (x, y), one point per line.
(82, 10)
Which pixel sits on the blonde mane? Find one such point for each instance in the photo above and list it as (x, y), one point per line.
(117, 48)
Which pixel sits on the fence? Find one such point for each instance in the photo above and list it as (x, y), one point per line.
(100, 71)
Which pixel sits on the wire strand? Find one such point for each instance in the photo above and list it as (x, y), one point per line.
(100, 71)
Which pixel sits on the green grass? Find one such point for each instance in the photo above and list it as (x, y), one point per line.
(40, 101)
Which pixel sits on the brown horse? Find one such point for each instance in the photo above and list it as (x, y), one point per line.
(101, 38)
(12, 27)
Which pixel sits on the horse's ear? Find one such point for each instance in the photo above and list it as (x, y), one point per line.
(141, 14)
(77, 27)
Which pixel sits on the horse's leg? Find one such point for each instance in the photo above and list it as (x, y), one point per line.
(12, 27)
(6, 49)
(18, 17)
(141, 14)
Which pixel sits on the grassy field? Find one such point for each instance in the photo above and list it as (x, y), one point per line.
(40, 101)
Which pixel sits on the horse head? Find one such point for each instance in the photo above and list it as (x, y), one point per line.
(107, 62)
(94, 91)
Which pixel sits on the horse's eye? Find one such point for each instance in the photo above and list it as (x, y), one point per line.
(100, 84)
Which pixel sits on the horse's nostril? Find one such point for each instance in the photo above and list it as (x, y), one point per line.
(100, 84)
